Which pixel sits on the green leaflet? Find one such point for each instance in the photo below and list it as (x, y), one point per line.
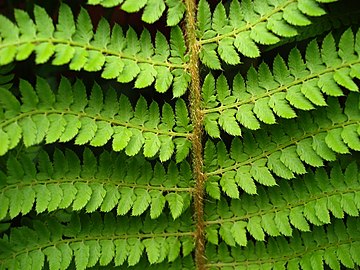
(247, 25)
(246, 45)
(228, 184)
(203, 17)
(130, 129)
(67, 243)
(152, 249)
(263, 154)
(50, 185)
(209, 57)
(153, 10)
(105, 50)
(227, 52)
(176, 204)
(4, 138)
(219, 20)
(176, 10)
(265, 94)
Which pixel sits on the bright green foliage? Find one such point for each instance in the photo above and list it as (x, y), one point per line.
(335, 245)
(324, 24)
(308, 200)
(69, 114)
(135, 132)
(249, 24)
(116, 240)
(283, 151)
(116, 54)
(299, 84)
(110, 182)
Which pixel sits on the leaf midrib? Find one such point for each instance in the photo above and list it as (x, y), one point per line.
(89, 47)
(80, 115)
(290, 205)
(103, 181)
(93, 238)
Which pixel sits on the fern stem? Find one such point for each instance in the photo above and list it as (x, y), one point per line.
(197, 119)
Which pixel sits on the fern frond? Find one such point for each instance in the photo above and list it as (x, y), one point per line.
(186, 263)
(276, 211)
(42, 115)
(335, 245)
(153, 9)
(125, 58)
(91, 240)
(298, 85)
(340, 15)
(248, 24)
(6, 78)
(283, 150)
(112, 181)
